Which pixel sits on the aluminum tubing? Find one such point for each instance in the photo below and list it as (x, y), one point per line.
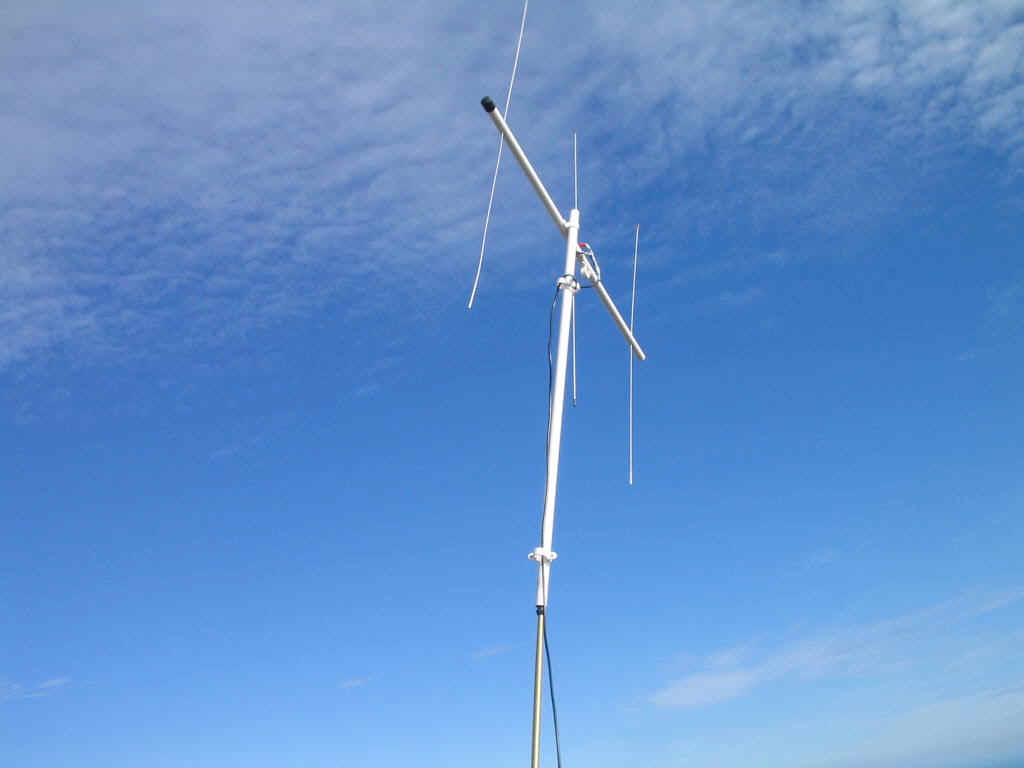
(524, 163)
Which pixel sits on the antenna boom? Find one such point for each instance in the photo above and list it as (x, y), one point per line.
(595, 280)
(513, 144)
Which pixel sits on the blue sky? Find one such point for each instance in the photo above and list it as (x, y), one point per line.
(268, 487)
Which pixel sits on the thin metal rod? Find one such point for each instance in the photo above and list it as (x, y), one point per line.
(632, 317)
(573, 324)
(575, 175)
(497, 164)
(524, 163)
(538, 692)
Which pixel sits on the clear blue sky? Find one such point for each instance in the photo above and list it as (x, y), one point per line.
(267, 487)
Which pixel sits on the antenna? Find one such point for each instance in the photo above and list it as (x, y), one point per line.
(575, 175)
(632, 315)
(568, 286)
(497, 164)
(572, 324)
(575, 204)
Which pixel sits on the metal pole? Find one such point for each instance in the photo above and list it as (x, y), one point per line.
(538, 690)
(544, 554)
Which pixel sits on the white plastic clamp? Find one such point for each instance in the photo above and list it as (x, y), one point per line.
(570, 282)
(588, 262)
(541, 555)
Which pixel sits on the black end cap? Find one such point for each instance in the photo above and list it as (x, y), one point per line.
(487, 103)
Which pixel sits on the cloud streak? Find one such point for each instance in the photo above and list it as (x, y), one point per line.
(869, 648)
(190, 175)
(357, 682)
(10, 690)
(981, 726)
(486, 653)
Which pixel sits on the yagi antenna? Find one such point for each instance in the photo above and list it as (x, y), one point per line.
(567, 286)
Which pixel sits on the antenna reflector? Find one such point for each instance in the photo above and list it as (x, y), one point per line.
(632, 319)
(489, 107)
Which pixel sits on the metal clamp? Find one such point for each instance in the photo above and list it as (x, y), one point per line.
(588, 263)
(570, 282)
(541, 555)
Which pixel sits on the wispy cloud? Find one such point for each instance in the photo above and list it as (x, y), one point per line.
(873, 647)
(356, 682)
(961, 729)
(56, 682)
(496, 650)
(1006, 305)
(11, 690)
(740, 298)
(189, 175)
(741, 265)
(820, 558)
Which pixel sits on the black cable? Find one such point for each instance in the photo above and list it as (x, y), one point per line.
(551, 688)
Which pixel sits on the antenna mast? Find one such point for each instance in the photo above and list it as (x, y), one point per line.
(544, 555)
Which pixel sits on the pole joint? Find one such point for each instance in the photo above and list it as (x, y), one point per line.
(542, 556)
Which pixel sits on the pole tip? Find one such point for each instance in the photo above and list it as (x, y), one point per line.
(487, 104)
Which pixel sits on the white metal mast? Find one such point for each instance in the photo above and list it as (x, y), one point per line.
(568, 286)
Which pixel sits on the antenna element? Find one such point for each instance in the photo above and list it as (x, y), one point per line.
(497, 164)
(632, 315)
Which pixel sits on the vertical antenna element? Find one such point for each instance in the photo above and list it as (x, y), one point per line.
(575, 175)
(572, 322)
(497, 164)
(629, 352)
(575, 204)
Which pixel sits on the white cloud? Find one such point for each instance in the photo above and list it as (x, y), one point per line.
(11, 690)
(884, 645)
(953, 730)
(191, 173)
(496, 650)
(56, 682)
(705, 688)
